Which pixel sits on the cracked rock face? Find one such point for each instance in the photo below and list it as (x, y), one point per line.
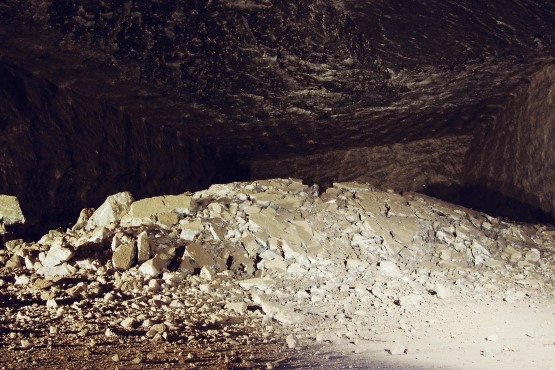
(443, 97)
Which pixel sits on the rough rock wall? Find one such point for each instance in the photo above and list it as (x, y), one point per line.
(320, 89)
(61, 151)
(514, 154)
(402, 166)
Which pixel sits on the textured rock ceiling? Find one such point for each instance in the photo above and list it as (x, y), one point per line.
(450, 97)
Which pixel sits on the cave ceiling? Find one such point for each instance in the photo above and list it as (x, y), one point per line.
(278, 85)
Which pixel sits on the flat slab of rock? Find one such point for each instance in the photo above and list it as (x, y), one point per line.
(146, 208)
(56, 256)
(260, 283)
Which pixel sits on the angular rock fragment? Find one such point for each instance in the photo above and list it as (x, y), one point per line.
(397, 349)
(125, 256)
(149, 207)
(258, 283)
(154, 266)
(10, 211)
(190, 229)
(199, 255)
(60, 270)
(442, 291)
(390, 269)
(129, 323)
(143, 247)
(239, 307)
(207, 273)
(84, 217)
(479, 252)
(111, 210)
(292, 341)
(57, 256)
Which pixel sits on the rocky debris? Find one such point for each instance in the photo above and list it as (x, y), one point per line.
(272, 257)
(110, 211)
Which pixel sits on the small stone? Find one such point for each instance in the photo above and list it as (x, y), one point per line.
(154, 266)
(109, 333)
(356, 266)
(124, 256)
(51, 303)
(137, 360)
(190, 229)
(207, 273)
(239, 307)
(143, 247)
(259, 283)
(53, 330)
(148, 207)
(84, 217)
(288, 316)
(492, 338)
(479, 252)
(57, 256)
(397, 349)
(62, 270)
(128, 323)
(390, 269)
(167, 220)
(292, 341)
(115, 358)
(154, 285)
(532, 256)
(442, 292)
(22, 280)
(159, 328)
(26, 344)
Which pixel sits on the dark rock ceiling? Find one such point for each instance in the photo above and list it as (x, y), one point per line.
(446, 96)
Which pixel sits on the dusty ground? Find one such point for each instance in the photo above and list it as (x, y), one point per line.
(272, 274)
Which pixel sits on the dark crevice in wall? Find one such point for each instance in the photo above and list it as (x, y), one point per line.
(490, 201)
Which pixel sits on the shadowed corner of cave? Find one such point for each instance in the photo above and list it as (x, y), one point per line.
(224, 169)
(483, 199)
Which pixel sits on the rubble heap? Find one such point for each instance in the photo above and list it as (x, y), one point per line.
(268, 262)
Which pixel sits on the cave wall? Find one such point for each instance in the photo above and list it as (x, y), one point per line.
(512, 158)
(61, 151)
(165, 97)
(402, 166)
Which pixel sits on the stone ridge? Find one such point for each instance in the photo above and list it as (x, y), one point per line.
(289, 263)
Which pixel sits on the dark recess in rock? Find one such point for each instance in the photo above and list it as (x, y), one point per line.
(453, 98)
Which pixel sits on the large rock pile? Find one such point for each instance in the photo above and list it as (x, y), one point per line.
(275, 256)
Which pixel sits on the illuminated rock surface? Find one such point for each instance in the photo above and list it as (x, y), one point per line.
(353, 269)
